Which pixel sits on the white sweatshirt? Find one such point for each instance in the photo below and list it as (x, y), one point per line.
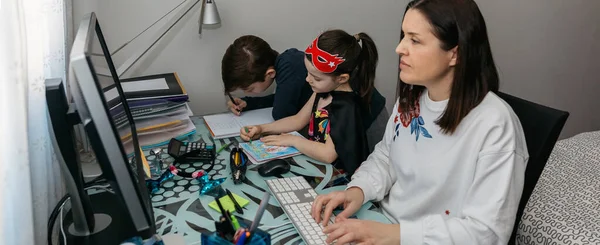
(461, 189)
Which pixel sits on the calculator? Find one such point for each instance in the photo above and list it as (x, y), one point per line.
(191, 151)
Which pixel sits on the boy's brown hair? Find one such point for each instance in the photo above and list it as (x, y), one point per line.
(246, 61)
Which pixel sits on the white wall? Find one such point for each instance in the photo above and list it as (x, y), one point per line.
(545, 50)
(284, 24)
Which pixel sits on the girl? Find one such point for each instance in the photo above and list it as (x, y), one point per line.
(341, 72)
(450, 168)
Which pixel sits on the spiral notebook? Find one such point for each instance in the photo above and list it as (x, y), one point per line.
(259, 153)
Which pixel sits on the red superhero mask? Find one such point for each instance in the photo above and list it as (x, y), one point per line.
(323, 61)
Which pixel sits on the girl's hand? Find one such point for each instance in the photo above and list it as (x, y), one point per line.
(249, 133)
(281, 140)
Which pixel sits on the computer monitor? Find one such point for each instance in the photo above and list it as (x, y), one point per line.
(99, 111)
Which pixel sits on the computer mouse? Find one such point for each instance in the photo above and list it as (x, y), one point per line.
(274, 167)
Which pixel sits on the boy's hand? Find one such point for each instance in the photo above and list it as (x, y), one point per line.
(236, 109)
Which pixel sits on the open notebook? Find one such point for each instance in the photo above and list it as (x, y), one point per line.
(259, 153)
(229, 125)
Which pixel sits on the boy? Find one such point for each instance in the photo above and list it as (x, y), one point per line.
(251, 65)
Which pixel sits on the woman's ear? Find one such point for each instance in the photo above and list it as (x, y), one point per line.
(341, 79)
(453, 56)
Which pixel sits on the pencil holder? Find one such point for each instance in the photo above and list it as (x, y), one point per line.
(238, 172)
(259, 237)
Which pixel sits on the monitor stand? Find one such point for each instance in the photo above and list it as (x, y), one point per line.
(110, 228)
(114, 226)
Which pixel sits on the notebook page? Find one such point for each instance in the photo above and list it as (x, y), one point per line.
(228, 124)
(222, 124)
(255, 117)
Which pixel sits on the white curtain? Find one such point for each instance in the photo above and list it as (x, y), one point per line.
(33, 45)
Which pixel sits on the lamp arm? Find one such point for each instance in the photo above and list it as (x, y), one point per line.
(200, 22)
(147, 28)
(141, 52)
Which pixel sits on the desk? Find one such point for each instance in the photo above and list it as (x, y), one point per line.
(178, 207)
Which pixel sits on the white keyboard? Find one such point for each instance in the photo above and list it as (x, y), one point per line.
(296, 196)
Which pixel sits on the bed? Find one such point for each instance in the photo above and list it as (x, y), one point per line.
(564, 207)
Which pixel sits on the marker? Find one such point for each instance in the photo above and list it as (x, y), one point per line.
(236, 224)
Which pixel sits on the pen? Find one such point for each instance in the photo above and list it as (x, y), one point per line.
(218, 227)
(233, 101)
(238, 208)
(223, 147)
(224, 212)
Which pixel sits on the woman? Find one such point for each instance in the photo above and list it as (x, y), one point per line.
(450, 168)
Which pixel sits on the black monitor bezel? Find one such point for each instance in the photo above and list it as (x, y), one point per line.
(94, 113)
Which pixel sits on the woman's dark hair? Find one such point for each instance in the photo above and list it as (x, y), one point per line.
(360, 62)
(246, 61)
(457, 23)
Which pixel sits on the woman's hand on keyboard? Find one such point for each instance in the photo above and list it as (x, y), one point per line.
(351, 200)
(362, 232)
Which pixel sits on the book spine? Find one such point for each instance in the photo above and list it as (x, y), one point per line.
(154, 99)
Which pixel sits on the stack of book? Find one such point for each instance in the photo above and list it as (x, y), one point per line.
(158, 104)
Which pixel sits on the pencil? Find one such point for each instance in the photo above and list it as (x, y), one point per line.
(247, 131)
(233, 101)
